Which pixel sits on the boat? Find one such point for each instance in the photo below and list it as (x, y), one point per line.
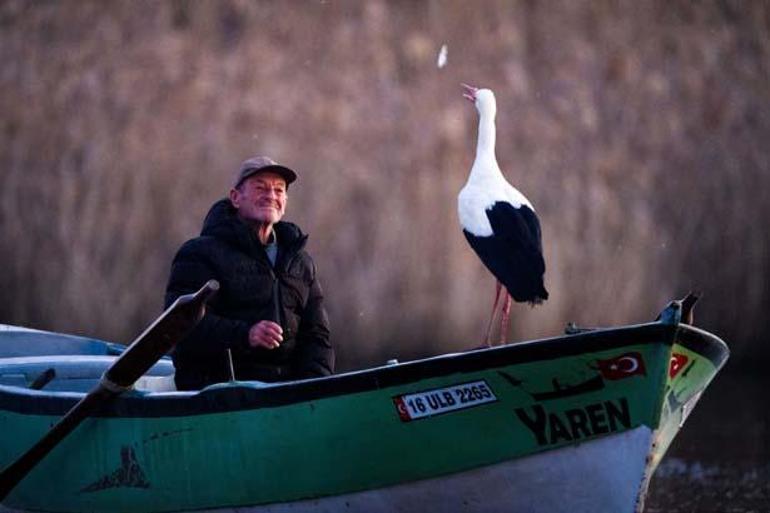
(576, 423)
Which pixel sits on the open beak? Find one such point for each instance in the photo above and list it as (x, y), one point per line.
(470, 92)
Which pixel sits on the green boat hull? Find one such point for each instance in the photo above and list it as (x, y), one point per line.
(473, 431)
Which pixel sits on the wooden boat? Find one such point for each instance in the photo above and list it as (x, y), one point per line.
(573, 423)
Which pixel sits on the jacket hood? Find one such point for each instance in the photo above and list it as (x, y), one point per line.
(222, 222)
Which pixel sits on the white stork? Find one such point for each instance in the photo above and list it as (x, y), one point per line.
(499, 221)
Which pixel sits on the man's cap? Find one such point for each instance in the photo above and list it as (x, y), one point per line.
(255, 165)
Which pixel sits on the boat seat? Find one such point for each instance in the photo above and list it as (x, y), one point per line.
(155, 384)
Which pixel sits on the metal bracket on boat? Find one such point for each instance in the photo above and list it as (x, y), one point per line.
(574, 329)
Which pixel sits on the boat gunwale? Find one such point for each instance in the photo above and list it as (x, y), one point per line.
(239, 396)
(704, 343)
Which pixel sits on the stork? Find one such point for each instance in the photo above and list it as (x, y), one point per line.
(499, 222)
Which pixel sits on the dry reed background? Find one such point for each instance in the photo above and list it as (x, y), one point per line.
(638, 130)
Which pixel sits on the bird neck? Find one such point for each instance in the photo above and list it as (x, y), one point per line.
(485, 146)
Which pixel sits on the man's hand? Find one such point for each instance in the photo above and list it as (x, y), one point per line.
(266, 334)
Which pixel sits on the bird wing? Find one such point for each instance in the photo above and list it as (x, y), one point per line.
(513, 252)
(518, 226)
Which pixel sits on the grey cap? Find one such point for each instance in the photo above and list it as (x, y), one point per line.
(255, 165)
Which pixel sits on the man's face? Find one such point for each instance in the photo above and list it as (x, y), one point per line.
(261, 198)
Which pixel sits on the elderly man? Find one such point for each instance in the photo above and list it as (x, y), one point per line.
(269, 311)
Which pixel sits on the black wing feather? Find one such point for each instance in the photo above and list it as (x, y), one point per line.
(514, 252)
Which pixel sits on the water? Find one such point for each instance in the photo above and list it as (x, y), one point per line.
(720, 460)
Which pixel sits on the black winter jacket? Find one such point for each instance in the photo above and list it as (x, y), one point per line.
(251, 290)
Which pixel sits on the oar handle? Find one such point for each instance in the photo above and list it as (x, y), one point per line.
(173, 324)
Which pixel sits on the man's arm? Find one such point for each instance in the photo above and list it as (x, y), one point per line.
(189, 271)
(315, 354)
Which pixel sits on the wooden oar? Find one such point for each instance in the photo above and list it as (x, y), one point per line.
(173, 324)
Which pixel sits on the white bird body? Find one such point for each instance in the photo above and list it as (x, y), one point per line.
(498, 221)
(486, 184)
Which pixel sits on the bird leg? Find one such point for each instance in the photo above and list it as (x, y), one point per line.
(505, 318)
(488, 337)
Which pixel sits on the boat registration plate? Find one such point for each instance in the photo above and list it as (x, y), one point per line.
(443, 400)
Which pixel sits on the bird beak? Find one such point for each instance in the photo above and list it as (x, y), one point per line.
(470, 92)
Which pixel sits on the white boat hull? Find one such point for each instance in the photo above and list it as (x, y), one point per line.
(605, 475)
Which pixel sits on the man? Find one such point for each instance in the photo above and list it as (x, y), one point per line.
(269, 311)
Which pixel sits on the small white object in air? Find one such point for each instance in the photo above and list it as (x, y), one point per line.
(442, 57)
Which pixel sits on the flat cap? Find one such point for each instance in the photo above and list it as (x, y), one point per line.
(255, 165)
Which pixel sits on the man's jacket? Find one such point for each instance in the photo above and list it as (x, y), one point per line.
(251, 290)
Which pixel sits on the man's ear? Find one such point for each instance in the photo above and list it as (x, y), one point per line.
(235, 197)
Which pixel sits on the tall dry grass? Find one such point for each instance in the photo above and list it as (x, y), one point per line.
(638, 130)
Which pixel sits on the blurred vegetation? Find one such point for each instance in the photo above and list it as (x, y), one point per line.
(638, 129)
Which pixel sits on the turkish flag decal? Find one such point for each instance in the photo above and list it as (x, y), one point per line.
(623, 366)
(678, 361)
(403, 413)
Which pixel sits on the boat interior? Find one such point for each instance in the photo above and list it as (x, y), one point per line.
(77, 373)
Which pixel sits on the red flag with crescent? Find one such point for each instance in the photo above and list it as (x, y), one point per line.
(403, 413)
(678, 361)
(623, 366)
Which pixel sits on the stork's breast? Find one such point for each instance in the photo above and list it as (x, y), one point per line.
(472, 211)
